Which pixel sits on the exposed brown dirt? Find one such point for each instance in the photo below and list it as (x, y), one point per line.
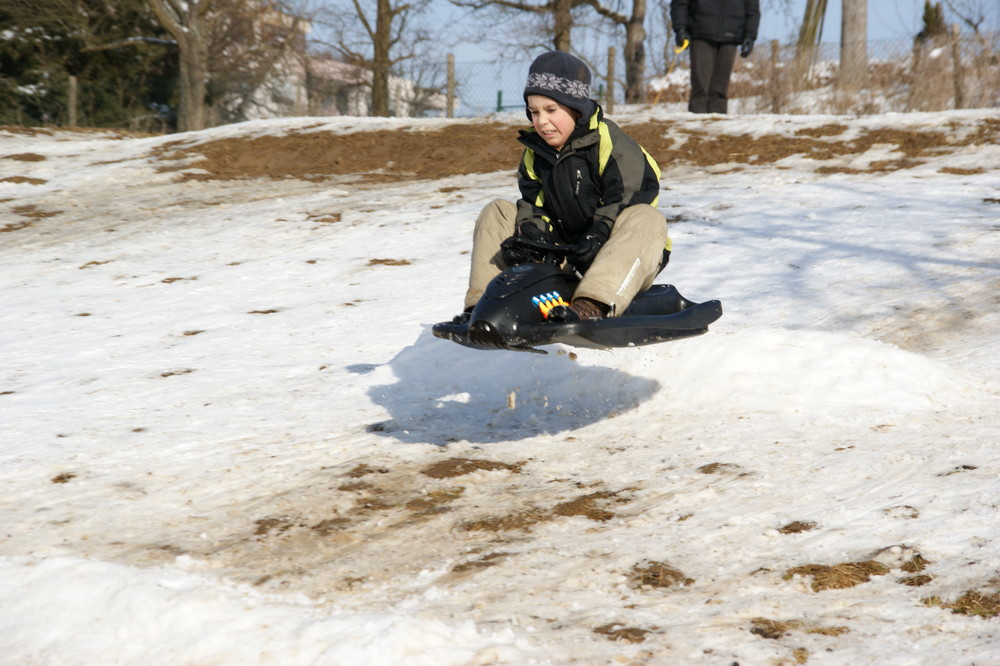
(486, 147)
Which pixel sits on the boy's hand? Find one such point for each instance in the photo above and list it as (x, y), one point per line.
(746, 48)
(586, 250)
(514, 251)
(680, 37)
(531, 232)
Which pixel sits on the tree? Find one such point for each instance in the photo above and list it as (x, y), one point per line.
(854, 44)
(255, 63)
(635, 46)
(226, 49)
(810, 36)
(379, 43)
(558, 12)
(562, 18)
(933, 22)
(970, 12)
(190, 23)
(118, 52)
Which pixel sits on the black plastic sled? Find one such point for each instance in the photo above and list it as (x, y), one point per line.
(510, 315)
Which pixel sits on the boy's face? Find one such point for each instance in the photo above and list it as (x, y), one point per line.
(553, 121)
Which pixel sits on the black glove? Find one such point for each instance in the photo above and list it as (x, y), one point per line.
(746, 48)
(531, 232)
(585, 251)
(681, 36)
(515, 252)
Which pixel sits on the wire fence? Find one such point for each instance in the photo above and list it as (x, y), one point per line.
(487, 87)
(950, 71)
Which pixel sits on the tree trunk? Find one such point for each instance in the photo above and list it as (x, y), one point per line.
(381, 63)
(192, 83)
(562, 18)
(189, 23)
(810, 34)
(635, 54)
(854, 45)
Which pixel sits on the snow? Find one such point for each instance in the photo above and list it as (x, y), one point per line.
(195, 375)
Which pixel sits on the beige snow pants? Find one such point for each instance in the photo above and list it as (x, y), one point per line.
(627, 264)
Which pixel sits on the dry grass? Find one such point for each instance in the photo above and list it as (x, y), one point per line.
(453, 467)
(593, 506)
(971, 602)
(838, 576)
(797, 526)
(657, 575)
(618, 632)
(775, 629)
(25, 157)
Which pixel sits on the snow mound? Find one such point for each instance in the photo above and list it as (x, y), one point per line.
(440, 392)
(72, 611)
(768, 370)
(490, 396)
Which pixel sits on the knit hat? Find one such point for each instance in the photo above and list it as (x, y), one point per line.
(561, 77)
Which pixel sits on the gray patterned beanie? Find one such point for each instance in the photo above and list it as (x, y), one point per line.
(562, 77)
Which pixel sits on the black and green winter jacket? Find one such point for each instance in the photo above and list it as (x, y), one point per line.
(598, 173)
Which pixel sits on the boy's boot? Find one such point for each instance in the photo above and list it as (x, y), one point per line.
(579, 309)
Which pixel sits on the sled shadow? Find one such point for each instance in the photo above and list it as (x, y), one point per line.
(447, 393)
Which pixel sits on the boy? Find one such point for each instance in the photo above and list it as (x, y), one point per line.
(585, 184)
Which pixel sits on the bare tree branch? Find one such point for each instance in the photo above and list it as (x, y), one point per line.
(971, 13)
(606, 12)
(509, 4)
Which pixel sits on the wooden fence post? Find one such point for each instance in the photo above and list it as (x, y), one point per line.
(776, 81)
(72, 103)
(451, 85)
(956, 60)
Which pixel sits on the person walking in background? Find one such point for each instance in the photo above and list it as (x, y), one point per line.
(715, 30)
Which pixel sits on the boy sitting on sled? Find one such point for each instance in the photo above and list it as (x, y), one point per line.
(584, 184)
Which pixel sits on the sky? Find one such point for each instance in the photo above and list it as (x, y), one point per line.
(887, 19)
(481, 72)
(229, 437)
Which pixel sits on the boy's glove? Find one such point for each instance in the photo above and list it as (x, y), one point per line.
(531, 232)
(586, 250)
(515, 252)
(746, 48)
(681, 36)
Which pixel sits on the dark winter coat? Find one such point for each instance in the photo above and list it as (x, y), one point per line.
(725, 21)
(599, 172)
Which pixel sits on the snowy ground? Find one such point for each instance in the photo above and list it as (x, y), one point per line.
(228, 436)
